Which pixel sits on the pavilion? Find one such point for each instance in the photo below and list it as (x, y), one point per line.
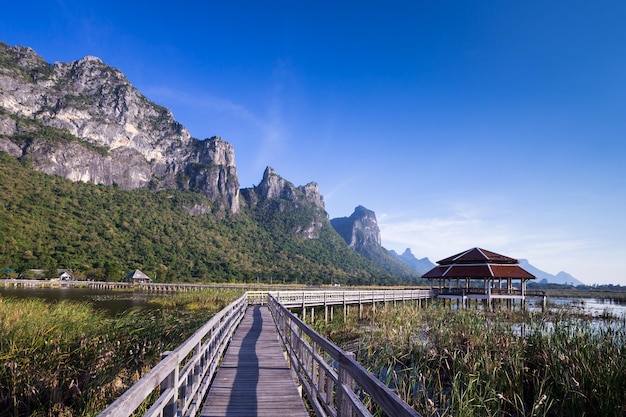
(480, 274)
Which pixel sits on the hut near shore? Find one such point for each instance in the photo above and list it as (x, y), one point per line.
(138, 277)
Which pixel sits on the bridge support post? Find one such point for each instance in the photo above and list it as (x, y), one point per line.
(325, 309)
(360, 307)
(373, 304)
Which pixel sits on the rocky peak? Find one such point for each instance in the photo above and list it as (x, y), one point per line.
(273, 186)
(121, 137)
(275, 194)
(360, 230)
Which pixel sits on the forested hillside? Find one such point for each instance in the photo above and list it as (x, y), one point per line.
(101, 233)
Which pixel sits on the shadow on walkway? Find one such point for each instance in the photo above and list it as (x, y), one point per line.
(243, 400)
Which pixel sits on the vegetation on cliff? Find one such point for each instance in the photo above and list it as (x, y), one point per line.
(102, 232)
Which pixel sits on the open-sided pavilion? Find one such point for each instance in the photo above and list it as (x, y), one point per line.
(480, 274)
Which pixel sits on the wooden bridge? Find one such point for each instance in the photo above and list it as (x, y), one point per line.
(257, 358)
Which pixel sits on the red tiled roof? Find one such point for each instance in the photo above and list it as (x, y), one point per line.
(477, 255)
(478, 263)
(478, 271)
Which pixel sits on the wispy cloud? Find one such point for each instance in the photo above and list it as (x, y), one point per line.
(162, 94)
(264, 131)
(461, 227)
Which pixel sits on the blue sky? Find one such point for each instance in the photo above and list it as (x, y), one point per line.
(495, 124)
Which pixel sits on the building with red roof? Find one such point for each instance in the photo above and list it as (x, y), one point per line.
(482, 275)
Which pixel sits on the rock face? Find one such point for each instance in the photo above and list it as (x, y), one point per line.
(273, 186)
(275, 193)
(360, 230)
(120, 136)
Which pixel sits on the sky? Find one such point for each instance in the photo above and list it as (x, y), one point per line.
(493, 124)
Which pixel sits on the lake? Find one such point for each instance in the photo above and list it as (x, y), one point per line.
(595, 306)
(117, 301)
(110, 301)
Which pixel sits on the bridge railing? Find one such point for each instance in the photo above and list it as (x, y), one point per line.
(338, 297)
(328, 374)
(184, 374)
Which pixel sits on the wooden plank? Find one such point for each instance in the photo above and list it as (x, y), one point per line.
(254, 378)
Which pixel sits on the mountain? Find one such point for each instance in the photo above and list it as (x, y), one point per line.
(361, 232)
(96, 178)
(545, 277)
(420, 265)
(84, 121)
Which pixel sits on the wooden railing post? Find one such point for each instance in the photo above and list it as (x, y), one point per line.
(344, 406)
(171, 408)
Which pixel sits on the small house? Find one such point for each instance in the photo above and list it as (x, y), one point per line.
(138, 277)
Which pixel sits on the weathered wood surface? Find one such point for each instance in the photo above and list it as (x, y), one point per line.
(254, 378)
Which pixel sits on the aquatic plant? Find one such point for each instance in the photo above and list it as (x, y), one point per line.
(68, 359)
(470, 362)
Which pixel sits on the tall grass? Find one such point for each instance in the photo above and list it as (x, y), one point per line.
(67, 359)
(470, 362)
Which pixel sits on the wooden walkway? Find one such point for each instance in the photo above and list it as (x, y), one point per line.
(254, 378)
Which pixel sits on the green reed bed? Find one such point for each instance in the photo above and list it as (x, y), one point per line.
(470, 362)
(67, 359)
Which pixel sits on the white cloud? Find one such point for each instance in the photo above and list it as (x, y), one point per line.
(461, 227)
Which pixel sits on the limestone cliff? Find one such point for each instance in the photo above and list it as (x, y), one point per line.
(276, 194)
(121, 137)
(361, 232)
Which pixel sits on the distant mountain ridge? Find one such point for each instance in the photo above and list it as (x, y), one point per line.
(544, 277)
(424, 265)
(420, 265)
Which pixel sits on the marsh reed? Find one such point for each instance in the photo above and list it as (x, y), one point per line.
(470, 362)
(68, 359)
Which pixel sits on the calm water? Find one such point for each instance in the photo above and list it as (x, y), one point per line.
(112, 302)
(595, 306)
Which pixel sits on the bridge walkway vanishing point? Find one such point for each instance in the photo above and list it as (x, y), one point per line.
(254, 356)
(254, 378)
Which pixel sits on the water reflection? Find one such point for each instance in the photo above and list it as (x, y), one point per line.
(594, 306)
(112, 302)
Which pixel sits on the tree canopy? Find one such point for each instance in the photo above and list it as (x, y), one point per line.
(102, 232)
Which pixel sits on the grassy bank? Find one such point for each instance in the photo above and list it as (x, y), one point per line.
(67, 359)
(474, 363)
